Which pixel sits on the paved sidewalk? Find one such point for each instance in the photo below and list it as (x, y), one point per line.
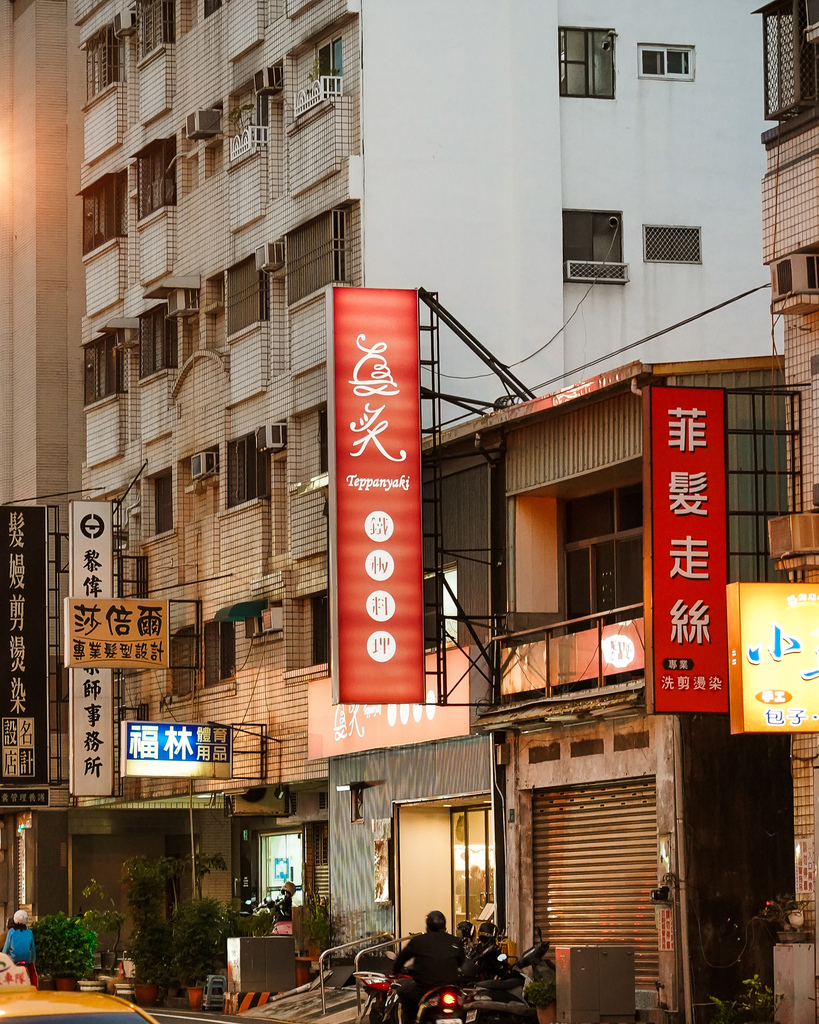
(305, 1007)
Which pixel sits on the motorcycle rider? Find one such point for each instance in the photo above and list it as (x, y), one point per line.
(436, 956)
(284, 904)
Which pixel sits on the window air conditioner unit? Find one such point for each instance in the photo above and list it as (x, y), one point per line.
(270, 256)
(273, 619)
(795, 282)
(204, 464)
(272, 437)
(183, 302)
(812, 29)
(269, 80)
(795, 536)
(124, 23)
(203, 124)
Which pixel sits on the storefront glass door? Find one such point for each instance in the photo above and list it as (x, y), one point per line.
(472, 862)
(280, 861)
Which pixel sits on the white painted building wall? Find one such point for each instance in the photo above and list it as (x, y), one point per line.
(470, 156)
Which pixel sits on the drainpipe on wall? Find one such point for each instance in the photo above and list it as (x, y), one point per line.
(682, 884)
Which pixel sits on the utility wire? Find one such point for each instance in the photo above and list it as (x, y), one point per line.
(650, 337)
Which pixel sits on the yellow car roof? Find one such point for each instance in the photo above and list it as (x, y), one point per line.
(32, 1002)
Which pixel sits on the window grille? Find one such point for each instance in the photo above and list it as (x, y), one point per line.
(183, 660)
(157, 176)
(790, 61)
(248, 471)
(157, 341)
(586, 62)
(247, 295)
(104, 210)
(317, 254)
(664, 244)
(103, 61)
(155, 24)
(103, 369)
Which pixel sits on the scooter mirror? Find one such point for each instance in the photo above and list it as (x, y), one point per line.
(390, 954)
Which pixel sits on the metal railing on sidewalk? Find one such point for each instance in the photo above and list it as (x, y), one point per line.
(371, 949)
(338, 949)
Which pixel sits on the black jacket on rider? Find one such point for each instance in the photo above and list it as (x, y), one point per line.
(436, 958)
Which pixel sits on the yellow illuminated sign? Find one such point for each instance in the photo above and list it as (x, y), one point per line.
(773, 647)
(107, 632)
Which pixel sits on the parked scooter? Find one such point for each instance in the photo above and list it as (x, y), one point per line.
(440, 1005)
(499, 999)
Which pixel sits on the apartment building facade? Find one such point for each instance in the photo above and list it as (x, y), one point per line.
(239, 158)
(43, 426)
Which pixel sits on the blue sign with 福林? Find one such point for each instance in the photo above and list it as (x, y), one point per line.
(176, 749)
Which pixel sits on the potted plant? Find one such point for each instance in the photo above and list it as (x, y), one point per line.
(315, 921)
(758, 1002)
(542, 994)
(198, 943)
(148, 947)
(105, 920)
(786, 912)
(65, 948)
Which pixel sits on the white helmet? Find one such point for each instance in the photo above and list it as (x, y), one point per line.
(21, 917)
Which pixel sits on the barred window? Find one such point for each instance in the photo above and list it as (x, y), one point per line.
(665, 244)
(248, 471)
(157, 176)
(247, 296)
(104, 205)
(155, 24)
(103, 369)
(791, 62)
(317, 254)
(103, 61)
(157, 341)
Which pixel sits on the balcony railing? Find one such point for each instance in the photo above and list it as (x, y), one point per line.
(326, 87)
(576, 655)
(254, 136)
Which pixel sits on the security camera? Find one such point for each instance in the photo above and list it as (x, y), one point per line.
(608, 41)
(614, 222)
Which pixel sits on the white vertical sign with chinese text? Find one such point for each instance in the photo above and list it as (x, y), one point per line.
(91, 574)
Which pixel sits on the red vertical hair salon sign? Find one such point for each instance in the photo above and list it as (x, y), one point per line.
(376, 564)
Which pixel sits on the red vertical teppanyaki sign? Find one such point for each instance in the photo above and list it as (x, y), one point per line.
(376, 602)
(689, 549)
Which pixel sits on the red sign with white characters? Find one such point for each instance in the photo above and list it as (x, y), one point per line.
(689, 548)
(375, 498)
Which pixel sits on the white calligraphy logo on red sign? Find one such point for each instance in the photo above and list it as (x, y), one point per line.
(689, 544)
(375, 491)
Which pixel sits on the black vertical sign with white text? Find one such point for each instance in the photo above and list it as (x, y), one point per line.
(23, 645)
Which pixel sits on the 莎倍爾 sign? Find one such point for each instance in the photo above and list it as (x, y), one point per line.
(116, 632)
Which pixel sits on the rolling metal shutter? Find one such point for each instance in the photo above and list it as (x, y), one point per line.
(594, 855)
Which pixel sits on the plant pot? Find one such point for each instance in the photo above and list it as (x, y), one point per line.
(146, 995)
(65, 984)
(195, 994)
(796, 919)
(547, 1014)
(124, 991)
(85, 985)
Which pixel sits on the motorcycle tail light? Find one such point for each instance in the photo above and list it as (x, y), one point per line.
(449, 999)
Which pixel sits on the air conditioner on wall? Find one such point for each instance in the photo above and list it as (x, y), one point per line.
(124, 23)
(203, 124)
(204, 464)
(273, 619)
(795, 536)
(183, 302)
(270, 80)
(272, 437)
(270, 256)
(795, 283)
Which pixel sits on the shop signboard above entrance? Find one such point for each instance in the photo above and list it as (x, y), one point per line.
(350, 728)
(175, 750)
(376, 564)
(773, 637)
(689, 561)
(116, 632)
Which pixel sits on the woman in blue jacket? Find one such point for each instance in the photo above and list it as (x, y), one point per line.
(19, 943)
